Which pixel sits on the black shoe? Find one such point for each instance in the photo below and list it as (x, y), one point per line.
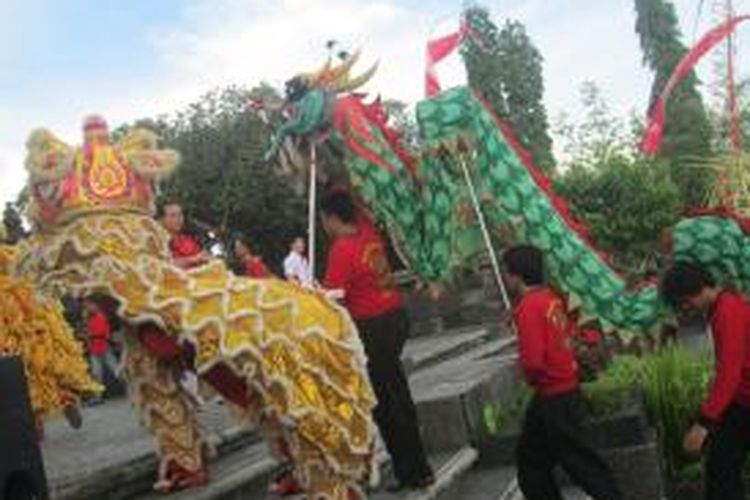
(396, 487)
(422, 483)
(73, 416)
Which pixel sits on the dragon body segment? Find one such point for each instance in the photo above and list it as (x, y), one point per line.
(423, 201)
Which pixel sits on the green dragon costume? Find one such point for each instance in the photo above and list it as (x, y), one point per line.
(423, 201)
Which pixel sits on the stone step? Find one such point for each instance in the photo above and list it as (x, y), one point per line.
(234, 476)
(449, 467)
(451, 374)
(636, 467)
(111, 457)
(423, 352)
(451, 397)
(245, 475)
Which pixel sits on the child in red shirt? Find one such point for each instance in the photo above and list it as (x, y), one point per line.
(99, 332)
(252, 264)
(723, 422)
(552, 433)
(358, 269)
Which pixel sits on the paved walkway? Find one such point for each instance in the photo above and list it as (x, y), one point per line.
(111, 435)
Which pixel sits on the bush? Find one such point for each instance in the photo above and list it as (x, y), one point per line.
(673, 382)
(615, 388)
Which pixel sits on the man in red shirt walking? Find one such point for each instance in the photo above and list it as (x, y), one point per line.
(552, 433)
(358, 270)
(723, 422)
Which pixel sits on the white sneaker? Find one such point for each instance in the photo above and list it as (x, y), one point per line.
(189, 382)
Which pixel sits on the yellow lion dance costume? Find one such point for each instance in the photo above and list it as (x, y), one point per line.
(288, 360)
(33, 328)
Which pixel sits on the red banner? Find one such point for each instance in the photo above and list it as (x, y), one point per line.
(652, 137)
(437, 50)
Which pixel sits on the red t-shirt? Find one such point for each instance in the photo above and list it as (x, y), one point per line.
(544, 342)
(358, 264)
(730, 328)
(255, 268)
(99, 330)
(183, 245)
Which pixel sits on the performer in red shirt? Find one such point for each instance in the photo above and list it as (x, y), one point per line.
(186, 250)
(552, 433)
(99, 332)
(359, 272)
(252, 264)
(186, 253)
(724, 417)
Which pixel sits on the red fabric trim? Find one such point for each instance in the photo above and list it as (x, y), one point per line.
(652, 137)
(353, 119)
(544, 184)
(437, 50)
(228, 384)
(724, 212)
(158, 343)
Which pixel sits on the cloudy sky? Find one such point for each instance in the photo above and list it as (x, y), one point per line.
(60, 60)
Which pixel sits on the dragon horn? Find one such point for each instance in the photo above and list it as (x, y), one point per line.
(341, 71)
(355, 83)
(315, 76)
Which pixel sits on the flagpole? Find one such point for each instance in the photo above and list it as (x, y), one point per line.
(485, 232)
(311, 212)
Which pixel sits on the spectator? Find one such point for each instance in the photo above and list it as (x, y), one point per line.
(296, 265)
(185, 249)
(99, 333)
(251, 263)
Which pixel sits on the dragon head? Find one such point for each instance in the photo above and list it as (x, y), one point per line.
(335, 78)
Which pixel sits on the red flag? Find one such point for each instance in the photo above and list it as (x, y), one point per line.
(437, 50)
(652, 137)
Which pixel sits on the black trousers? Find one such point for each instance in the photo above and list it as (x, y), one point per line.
(395, 414)
(728, 447)
(552, 435)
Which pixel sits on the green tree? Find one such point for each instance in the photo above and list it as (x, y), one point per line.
(687, 135)
(223, 180)
(626, 203)
(506, 67)
(599, 136)
(626, 200)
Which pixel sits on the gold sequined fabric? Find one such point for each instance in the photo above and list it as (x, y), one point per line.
(297, 352)
(164, 408)
(33, 328)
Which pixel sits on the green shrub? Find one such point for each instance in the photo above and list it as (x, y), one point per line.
(674, 384)
(614, 388)
(506, 418)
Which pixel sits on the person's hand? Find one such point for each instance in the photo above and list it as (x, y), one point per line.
(436, 291)
(335, 295)
(695, 439)
(506, 322)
